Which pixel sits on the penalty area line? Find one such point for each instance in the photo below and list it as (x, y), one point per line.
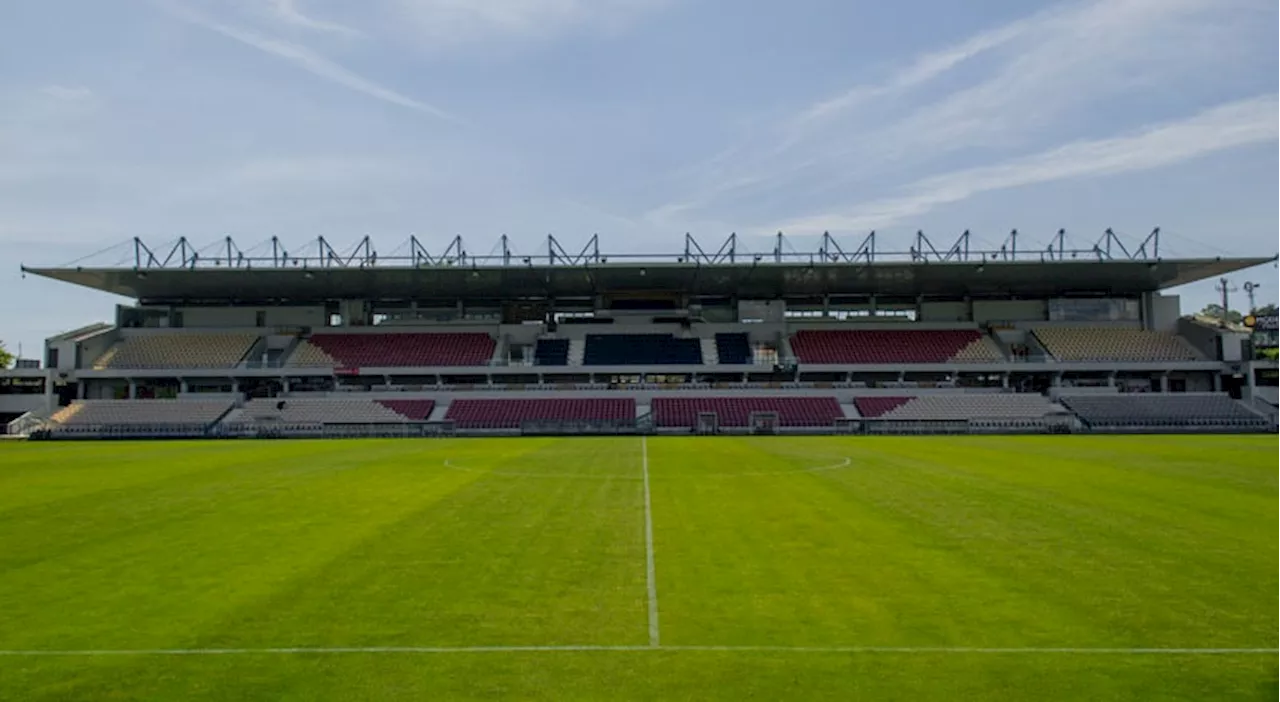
(910, 650)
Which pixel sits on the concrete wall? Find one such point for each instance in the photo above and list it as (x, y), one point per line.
(228, 317)
(1202, 336)
(766, 310)
(1009, 311)
(1164, 312)
(944, 312)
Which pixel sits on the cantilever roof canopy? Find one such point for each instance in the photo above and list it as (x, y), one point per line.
(750, 280)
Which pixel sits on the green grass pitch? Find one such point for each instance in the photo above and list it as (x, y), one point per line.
(818, 568)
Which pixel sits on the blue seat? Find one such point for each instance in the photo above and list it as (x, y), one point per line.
(733, 349)
(551, 352)
(640, 349)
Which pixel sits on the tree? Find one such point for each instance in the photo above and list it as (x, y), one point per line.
(6, 358)
(1266, 310)
(1214, 310)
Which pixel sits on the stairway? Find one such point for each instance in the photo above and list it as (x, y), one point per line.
(577, 349)
(710, 354)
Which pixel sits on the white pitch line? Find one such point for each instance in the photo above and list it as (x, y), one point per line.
(651, 571)
(909, 650)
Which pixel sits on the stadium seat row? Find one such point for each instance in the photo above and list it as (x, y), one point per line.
(844, 347)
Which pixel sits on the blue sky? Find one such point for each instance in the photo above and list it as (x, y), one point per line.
(637, 119)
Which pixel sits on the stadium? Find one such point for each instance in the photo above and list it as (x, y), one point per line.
(798, 473)
(224, 343)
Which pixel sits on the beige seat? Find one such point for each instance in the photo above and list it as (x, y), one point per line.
(312, 410)
(1106, 344)
(971, 406)
(140, 412)
(176, 351)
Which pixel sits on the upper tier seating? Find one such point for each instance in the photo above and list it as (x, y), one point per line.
(510, 414)
(330, 410)
(1161, 409)
(385, 350)
(641, 349)
(140, 412)
(176, 351)
(551, 352)
(733, 349)
(1103, 344)
(736, 411)
(955, 406)
(894, 346)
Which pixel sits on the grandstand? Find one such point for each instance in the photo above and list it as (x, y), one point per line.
(824, 341)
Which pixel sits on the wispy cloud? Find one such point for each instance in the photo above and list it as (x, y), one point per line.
(1039, 74)
(1224, 127)
(68, 92)
(287, 11)
(310, 61)
(454, 22)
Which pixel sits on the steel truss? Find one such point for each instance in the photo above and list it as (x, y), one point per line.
(413, 253)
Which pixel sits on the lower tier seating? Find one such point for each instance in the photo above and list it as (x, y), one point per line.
(331, 410)
(1103, 344)
(140, 412)
(641, 349)
(394, 350)
(1142, 410)
(894, 346)
(955, 406)
(551, 352)
(510, 414)
(416, 410)
(672, 412)
(176, 351)
(733, 349)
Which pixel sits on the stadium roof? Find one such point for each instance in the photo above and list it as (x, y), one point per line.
(228, 275)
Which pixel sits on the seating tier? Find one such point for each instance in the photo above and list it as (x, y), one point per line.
(394, 350)
(958, 406)
(318, 410)
(140, 412)
(1103, 344)
(416, 410)
(510, 414)
(176, 351)
(1142, 409)
(894, 346)
(736, 411)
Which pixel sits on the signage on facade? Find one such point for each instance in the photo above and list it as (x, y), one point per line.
(1263, 323)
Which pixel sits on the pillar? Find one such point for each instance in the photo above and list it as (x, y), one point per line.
(133, 389)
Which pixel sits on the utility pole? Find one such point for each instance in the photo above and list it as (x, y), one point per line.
(1249, 289)
(1224, 287)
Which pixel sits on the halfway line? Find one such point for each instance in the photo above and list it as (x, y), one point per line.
(650, 569)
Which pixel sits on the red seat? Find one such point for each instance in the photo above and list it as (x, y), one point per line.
(881, 346)
(737, 411)
(510, 414)
(416, 410)
(378, 350)
(877, 406)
